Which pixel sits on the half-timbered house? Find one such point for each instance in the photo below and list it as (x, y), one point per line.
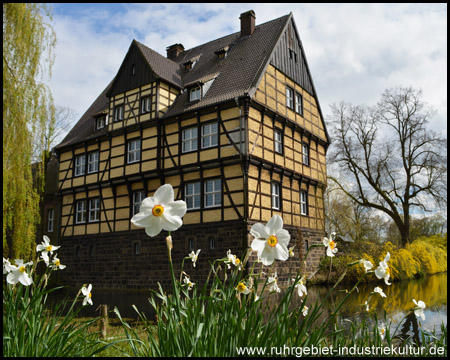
(234, 125)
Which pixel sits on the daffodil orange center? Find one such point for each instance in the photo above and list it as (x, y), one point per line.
(158, 210)
(241, 287)
(272, 240)
(22, 269)
(90, 295)
(49, 248)
(57, 263)
(332, 245)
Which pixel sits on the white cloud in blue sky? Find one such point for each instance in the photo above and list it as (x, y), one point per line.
(355, 51)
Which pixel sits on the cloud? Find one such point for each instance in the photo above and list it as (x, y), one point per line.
(355, 51)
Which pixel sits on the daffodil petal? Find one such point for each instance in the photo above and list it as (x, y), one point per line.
(281, 253)
(25, 279)
(283, 237)
(170, 222)
(274, 225)
(258, 246)
(177, 208)
(259, 231)
(164, 194)
(142, 219)
(155, 227)
(268, 257)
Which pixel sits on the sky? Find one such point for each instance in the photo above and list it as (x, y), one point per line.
(354, 51)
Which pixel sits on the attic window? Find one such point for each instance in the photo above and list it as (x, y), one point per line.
(188, 65)
(195, 93)
(100, 122)
(222, 53)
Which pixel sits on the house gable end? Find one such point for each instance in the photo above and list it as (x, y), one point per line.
(133, 73)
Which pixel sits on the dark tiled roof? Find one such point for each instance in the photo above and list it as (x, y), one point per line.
(235, 75)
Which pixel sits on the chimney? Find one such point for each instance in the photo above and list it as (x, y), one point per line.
(174, 50)
(247, 23)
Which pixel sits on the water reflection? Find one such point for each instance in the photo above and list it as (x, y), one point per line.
(398, 301)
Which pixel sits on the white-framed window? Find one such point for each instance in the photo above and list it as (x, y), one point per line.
(80, 212)
(134, 151)
(137, 248)
(189, 139)
(303, 203)
(278, 140)
(210, 135)
(276, 198)
(101, 122)
(213, 193)
(94, 210)
(93, 162)
(191, 244)
(80, 164)
(305, 154)
(289, 98)
(298, 103)
(146, 105)
(195, 93)
(212, 243)
(138, 196)
(118, 112)
(50, 219)
(192, 195)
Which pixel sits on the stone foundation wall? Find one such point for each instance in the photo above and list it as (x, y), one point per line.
(109, 261)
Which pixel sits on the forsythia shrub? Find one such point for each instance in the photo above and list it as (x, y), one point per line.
(403, 264)
(432, 259)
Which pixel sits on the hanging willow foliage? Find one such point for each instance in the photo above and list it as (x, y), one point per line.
(28, 43)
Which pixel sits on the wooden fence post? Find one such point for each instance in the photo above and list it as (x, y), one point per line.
(104, 319)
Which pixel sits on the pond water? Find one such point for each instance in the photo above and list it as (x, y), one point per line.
(398, 302)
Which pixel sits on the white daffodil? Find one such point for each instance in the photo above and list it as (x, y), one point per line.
(272, 280)
(6, 263)
(383, 271)
(305, 310)
(379, 291)
(18, 273)
(232, 259)
(194, 256)
(291, 251)
(46, 249)
(367, 264)
(88, 295)
(366, 304)
(241, 288)
(382, 331)
(301, 288)
(271, 240)
(419, 312)
(330, 245)
(160, 212)
(188, 282)
(57, 264)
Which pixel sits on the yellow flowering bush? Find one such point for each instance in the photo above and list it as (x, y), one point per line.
(432, 259)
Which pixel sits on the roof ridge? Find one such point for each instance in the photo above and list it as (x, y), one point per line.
(229, 35)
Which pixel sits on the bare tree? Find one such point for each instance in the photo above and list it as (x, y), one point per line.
(393, 161)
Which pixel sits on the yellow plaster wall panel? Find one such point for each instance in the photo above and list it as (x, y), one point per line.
(118, 172)
(188, 158)
(228, 151)
(122, 214)
(230, 214)
(212, 215)
(117, 140)
(265, 215)
(107, 215)
(122, 225)
(148, 154)
(230, 113)
(117, 161)
(206, 155)
(117, 152)
(256, 213)
(191, 217)
(131, 169)
(65, 156)
(266, 201)
(78, 181)
(79, 230)
(92, 229)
